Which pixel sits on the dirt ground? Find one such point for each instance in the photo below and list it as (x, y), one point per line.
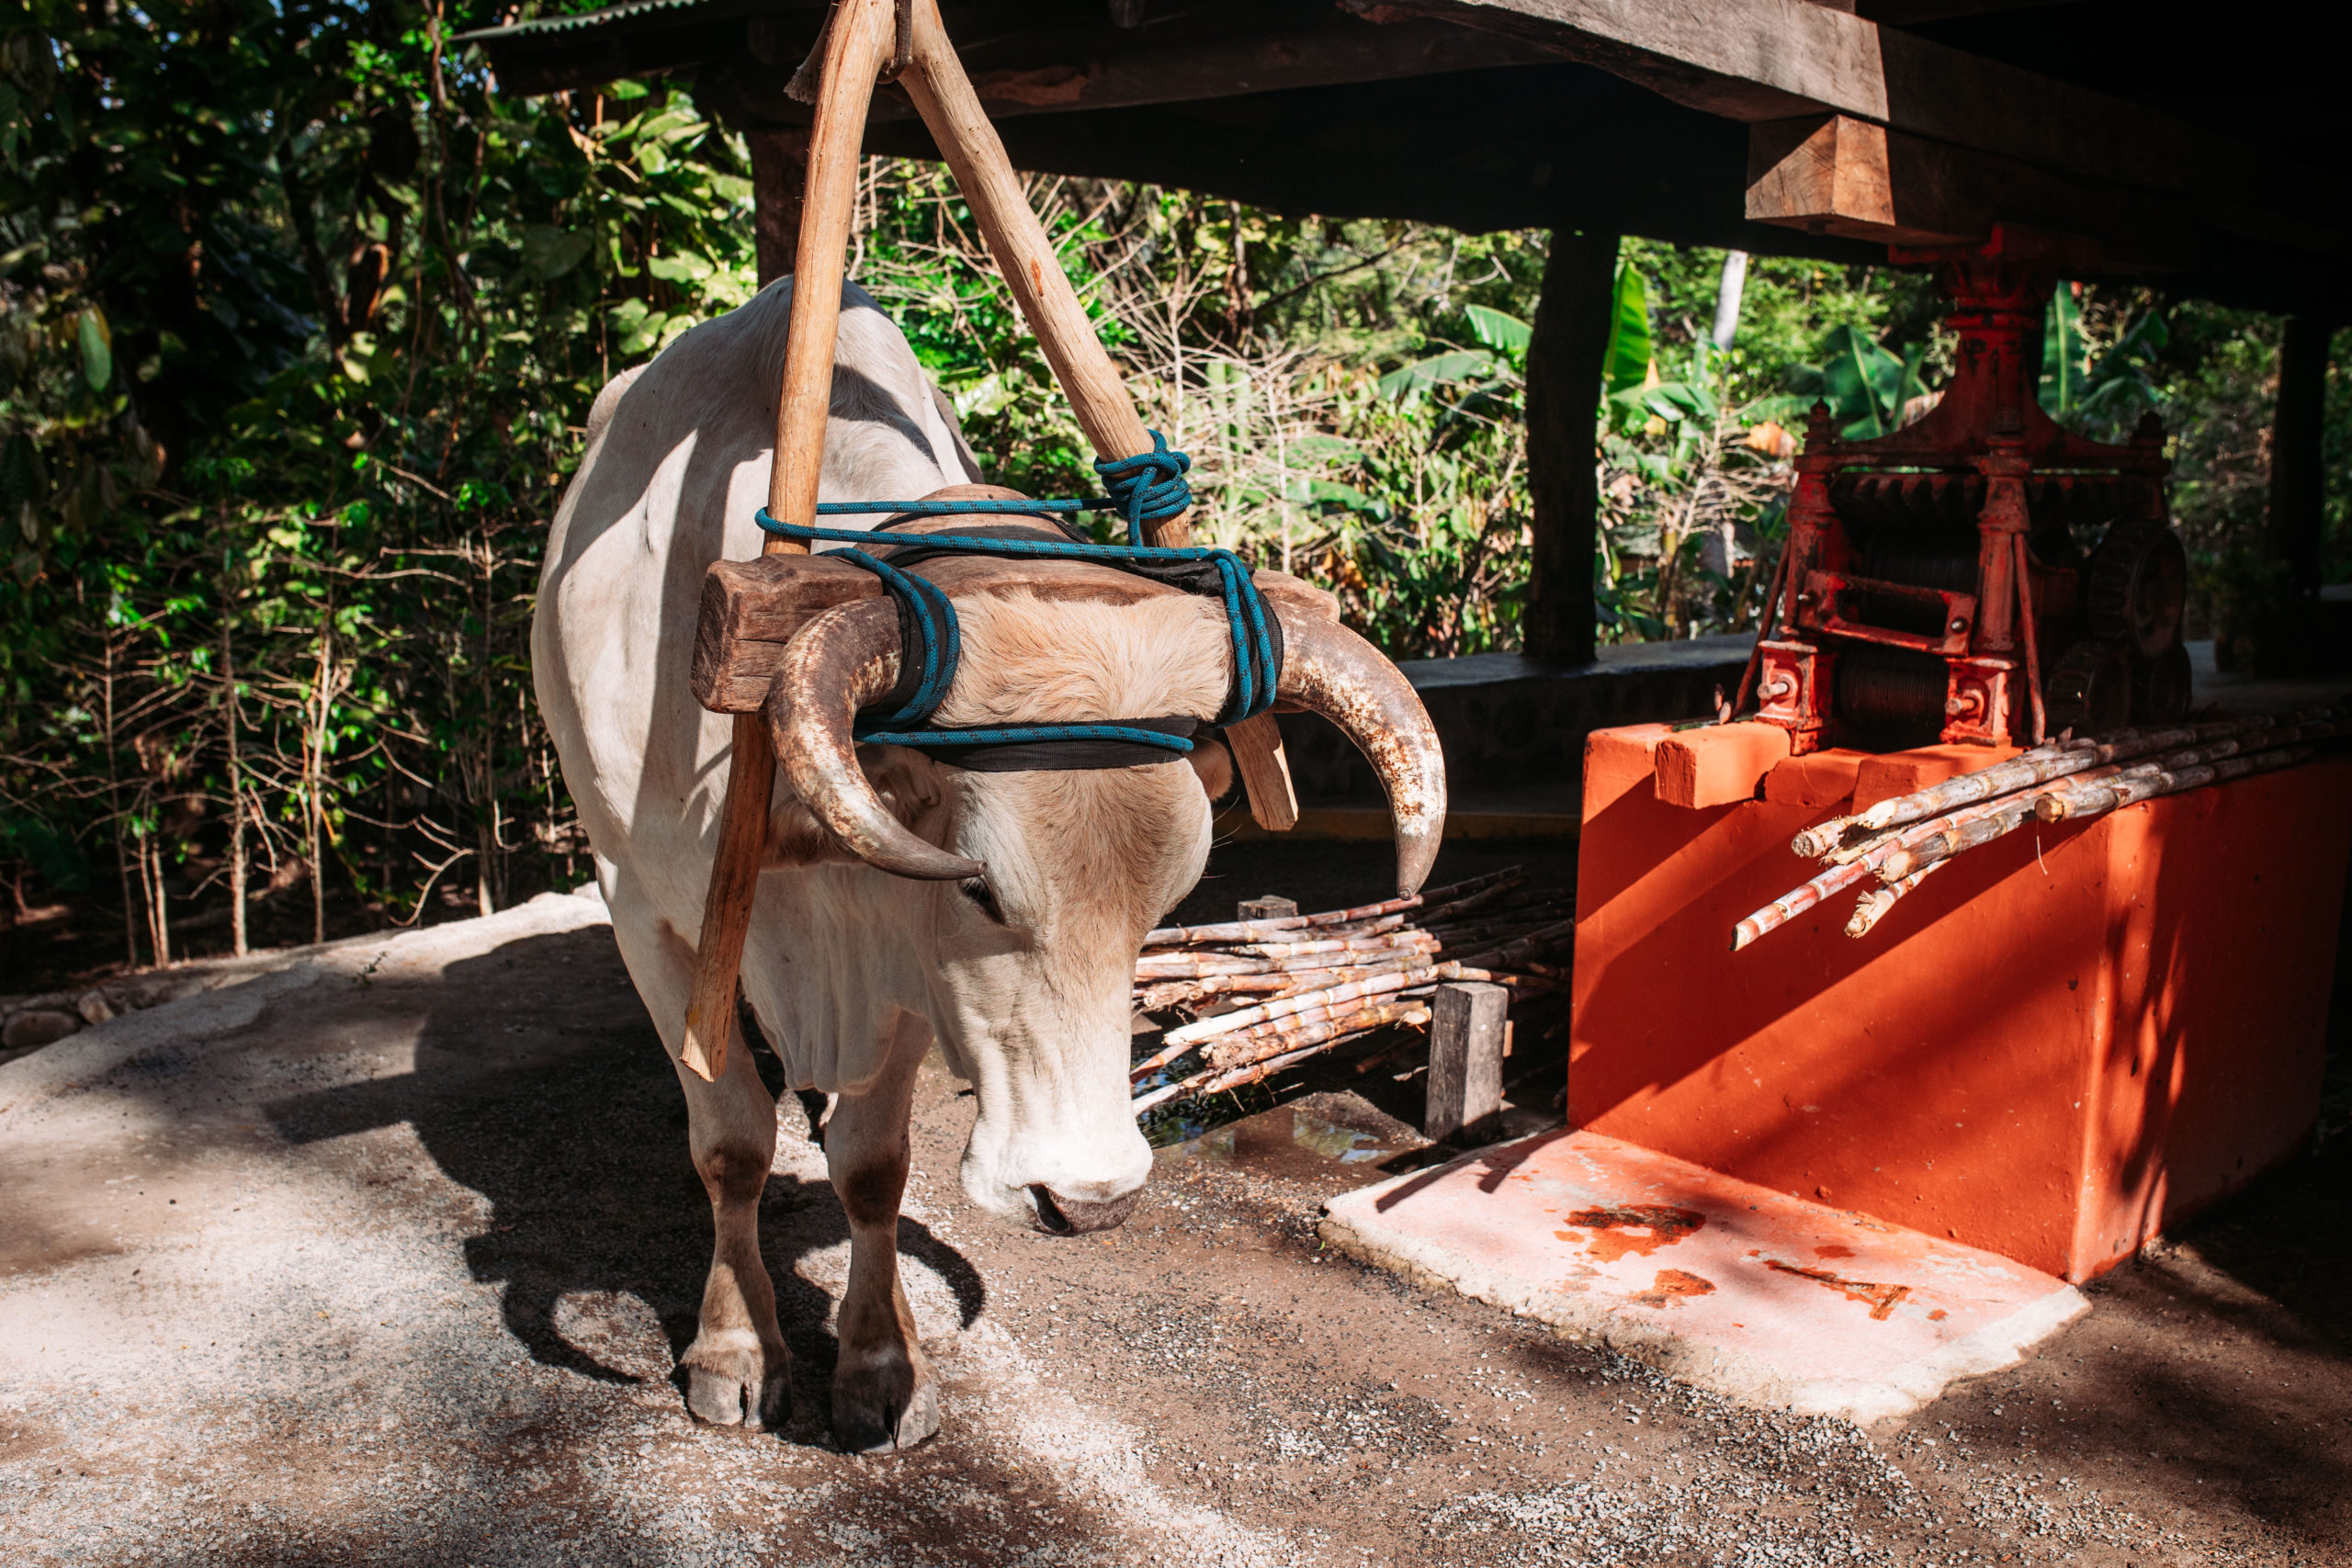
(385, 1257)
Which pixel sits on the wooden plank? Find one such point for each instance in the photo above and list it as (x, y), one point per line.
(1256, 744)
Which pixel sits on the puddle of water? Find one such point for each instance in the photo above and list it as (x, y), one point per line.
(1349, 1146)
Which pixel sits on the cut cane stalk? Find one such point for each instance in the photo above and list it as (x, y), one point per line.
(1797, 900)
(2044, 764)
(2129, 789)
(1273, 930)
(1872, 906)
(1307, 1029)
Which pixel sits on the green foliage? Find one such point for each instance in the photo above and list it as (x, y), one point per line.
(1867, 388)
(1628, 361)
(301, 320)
(299, 326)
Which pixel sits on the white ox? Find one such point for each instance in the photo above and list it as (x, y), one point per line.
(905, 901)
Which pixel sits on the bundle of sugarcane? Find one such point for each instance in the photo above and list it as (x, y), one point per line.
(1259, 995)
(1900, 842)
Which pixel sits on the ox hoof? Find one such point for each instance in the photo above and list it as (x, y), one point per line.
(745, 1397)
(879, 1413)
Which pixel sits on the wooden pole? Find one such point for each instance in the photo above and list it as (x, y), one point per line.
(943, 95)
(1563, 356)
(861, 37)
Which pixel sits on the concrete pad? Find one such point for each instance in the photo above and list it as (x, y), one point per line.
(1733, 1287)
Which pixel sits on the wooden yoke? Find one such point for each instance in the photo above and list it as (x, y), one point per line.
(943, 95)
(861, 36)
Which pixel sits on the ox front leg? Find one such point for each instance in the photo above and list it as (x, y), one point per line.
(738, 1370)
(885, 1396)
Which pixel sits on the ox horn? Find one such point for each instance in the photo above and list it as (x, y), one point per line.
(839, 661)
(1328, 669)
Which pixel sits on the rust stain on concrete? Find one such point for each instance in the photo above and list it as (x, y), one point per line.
(1882, 1299)
(1613, 1226)
(1671, 1286)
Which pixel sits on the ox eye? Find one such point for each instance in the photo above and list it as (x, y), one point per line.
(983, 897)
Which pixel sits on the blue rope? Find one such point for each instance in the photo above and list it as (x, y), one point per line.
(1147, 488)
(1020, 734)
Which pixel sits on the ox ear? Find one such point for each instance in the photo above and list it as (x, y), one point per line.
(1214, 764)
(911, 787)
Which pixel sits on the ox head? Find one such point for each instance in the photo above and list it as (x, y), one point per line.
(1047, 881)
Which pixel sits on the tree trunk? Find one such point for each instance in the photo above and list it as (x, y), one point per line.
(237, 865)
(1727, 297)
(1563, 357)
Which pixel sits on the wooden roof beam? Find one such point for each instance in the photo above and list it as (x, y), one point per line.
(1341, 51)
(1763, 61)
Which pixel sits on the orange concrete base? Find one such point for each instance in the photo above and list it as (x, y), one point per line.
(1737, 1289)
(2058, 1045)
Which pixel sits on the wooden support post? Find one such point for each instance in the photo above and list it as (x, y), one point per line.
(779, 178)
(1465, 1083)
(943, 95)
(2297, 464)
(1267, 909)
(1564, 359)
(859, 42)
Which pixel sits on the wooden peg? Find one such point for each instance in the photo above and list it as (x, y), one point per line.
(1468, 1023)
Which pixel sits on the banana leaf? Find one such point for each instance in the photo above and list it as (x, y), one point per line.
(1627, 361)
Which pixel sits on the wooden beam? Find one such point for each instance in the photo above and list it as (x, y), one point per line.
(1829, 175)
(1563, 357)
(1058, 74)
(1746, 60)
(1766, 60)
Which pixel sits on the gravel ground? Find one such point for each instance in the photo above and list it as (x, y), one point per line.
(385, 1257)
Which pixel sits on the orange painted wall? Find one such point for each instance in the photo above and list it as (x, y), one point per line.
(2057, 1045)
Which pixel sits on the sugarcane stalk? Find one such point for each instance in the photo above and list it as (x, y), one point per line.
(1298, 1048)
(1821, 838)
(1178, 993)
(1520, 923)
(1504, 887)
(1385, 942)
(2129, 789)
(1528, 946)
(1940, 847)
(1243, 1018)
(1240, 1078)
(1255, 930)
(2042, 764)
(1872, 906)
(1305, 1029)
(1797, 900)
